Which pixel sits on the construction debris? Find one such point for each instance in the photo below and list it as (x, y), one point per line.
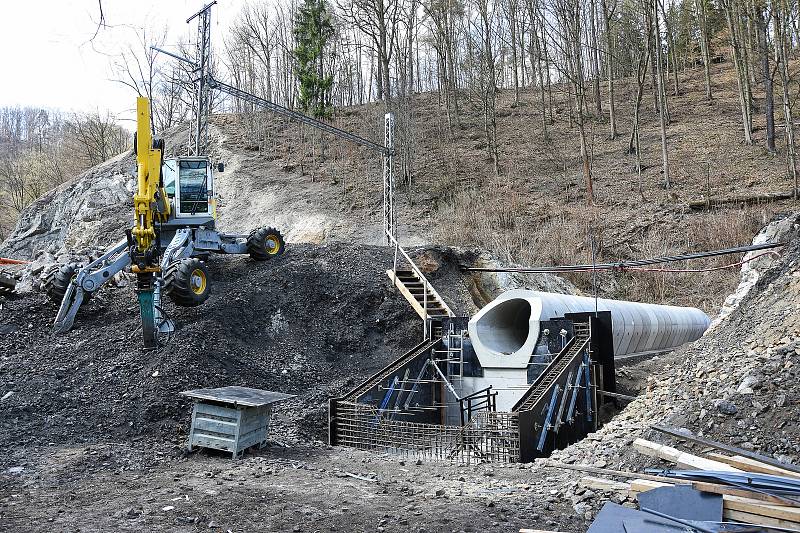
(744, 494)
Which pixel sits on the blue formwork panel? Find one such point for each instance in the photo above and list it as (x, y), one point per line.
(231, 419)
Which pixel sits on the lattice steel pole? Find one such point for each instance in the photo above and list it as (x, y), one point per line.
(389, 225)
(197, 144)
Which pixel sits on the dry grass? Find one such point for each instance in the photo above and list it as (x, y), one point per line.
(536, 211)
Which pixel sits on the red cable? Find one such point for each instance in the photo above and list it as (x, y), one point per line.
(698, 270)
(6, 261)
(674, 270)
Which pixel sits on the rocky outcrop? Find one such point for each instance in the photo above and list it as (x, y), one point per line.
(782, 230)
(87, 213)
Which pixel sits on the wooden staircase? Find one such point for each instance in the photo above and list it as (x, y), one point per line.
(420, 294)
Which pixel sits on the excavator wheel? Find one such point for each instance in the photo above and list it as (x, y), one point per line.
(187, 282)
(265, 243)
(58, 279)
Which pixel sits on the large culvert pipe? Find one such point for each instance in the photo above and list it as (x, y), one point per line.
(505, 332)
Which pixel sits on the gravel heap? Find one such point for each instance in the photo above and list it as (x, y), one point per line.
(312, 322)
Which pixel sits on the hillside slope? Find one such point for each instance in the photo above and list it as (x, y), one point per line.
(321, 189)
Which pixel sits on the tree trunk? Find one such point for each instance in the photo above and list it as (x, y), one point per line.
(769, 104)
(595, 56)
(662, 96)
(731, 16)
(782, 27)
(702, 21)
(612, 114)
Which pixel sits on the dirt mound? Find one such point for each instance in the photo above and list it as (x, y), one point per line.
(310, 323)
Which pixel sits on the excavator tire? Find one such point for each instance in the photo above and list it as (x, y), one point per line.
(187, 282)
(58, 279)
(265, 243)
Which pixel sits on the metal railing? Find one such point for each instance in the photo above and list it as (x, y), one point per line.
(426, 286)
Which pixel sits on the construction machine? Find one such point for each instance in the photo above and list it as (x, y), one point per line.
(172, 237)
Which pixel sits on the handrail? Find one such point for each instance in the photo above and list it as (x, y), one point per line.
(425, 283)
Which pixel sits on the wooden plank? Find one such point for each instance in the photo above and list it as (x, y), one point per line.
(609, 472)
(599, 483)
(406, 294)
(735, 503)
(748, 518)
(682, 459)
(716, 488)
(783, 512)
(751, 465)
(726, 448)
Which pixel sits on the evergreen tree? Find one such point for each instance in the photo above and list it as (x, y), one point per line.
(313, 29)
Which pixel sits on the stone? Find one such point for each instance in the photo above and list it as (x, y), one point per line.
(747, 385)
(726, 407)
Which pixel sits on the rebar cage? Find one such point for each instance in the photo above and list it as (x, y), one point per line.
(488, 437)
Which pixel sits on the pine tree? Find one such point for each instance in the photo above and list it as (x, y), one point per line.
(313, 29)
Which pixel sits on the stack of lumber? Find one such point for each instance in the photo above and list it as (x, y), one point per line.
(743, 503)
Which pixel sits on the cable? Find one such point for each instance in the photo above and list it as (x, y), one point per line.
(710, 269)
(634, 264)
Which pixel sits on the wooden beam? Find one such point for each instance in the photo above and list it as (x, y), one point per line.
(749, 518)
(735, 503)
(682, 459)
(751, 465)
(609, 472)
(726, 448)
(599, 483)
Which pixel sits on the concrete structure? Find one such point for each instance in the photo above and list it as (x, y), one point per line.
(506, 334)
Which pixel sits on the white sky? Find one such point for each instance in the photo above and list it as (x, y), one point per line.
(47, 59)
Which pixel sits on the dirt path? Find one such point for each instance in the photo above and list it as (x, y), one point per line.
(303, 488)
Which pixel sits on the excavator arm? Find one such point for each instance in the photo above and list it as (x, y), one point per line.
(150, 202)
(151, 205)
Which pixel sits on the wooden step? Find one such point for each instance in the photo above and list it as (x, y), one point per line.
(422, 299)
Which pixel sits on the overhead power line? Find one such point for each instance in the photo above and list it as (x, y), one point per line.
(637, 265)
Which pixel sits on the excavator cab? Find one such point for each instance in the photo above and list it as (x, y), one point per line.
(189, 183)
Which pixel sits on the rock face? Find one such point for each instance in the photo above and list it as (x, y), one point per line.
(782, 230)
(91, 211)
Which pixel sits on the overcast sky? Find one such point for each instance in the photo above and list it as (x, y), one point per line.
(49, 59)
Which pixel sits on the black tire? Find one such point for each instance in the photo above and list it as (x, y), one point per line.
(187, 282)
(265, 243)
(58, 279)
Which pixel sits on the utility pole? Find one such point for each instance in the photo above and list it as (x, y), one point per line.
(389, 220)
(202, 102)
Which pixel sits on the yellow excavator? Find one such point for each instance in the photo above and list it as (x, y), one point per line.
(172, 236)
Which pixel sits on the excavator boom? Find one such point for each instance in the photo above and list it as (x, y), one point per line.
(150, 204)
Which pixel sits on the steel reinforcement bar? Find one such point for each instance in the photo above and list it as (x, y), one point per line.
(489, 437)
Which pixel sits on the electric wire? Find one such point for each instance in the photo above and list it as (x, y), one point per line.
(640, 264)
